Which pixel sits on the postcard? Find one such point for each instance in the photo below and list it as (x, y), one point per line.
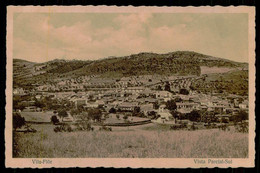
(138, 87)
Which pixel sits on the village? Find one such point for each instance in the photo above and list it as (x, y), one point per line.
(153, 99)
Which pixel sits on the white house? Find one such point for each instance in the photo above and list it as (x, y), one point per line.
(18, 91)
(165, 115)
(162, 108)
(243, 105)
(163, 94)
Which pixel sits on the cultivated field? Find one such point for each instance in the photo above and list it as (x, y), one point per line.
(127, 142)
(209, 70)
(37, 116)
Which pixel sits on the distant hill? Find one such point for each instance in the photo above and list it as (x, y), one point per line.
(173, 63)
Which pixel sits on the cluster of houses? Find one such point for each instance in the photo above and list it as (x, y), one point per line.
(147, 101)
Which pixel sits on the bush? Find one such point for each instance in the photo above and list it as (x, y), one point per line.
(125, 117)
(171, 105)
(112, 110)
(18, 121)
(194, 116)
(86, 125)
(83, 125)
(54, 119)
(95, 114)
(184, 91)
(240, 116)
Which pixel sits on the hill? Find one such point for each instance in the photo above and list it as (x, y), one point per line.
(173, 63)
(179, 63)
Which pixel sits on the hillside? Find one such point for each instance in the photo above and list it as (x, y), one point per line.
(173, 63)
(179, 63)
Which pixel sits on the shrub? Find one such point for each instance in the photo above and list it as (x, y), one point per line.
(54, 119)
(194, 115)
(171, 105)
(184, 91)
(112, 110)
(95, 114)
(18, 120)
(240, 116)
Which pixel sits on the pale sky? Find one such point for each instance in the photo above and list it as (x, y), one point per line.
(41, 37)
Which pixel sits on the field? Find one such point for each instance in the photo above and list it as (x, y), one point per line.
(37, 116)
(130, 142)
(209, 70)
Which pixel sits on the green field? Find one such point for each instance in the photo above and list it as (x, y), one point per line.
(140, 141)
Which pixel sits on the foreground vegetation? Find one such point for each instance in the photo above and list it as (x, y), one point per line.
(140, 142)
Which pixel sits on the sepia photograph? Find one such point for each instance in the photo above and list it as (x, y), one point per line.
(130, 86)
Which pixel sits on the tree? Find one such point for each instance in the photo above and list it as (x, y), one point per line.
(167, 86)
(240, 116)
(184, 91)
(171, 105)
(54, 119)
(194, 116)
(62, 113)
(18, 120)
(112, 110)
(224, 120)
(95, 114)
(125, 117)
(152, 114)
(39, 104)
(18, 106)
(175, 114)
(117, 116)
(136, 110)
(156, 105)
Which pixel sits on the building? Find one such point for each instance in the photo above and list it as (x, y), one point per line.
(127, 106)
(145, 108)
(80, 102)
(222, 117)
(163, 94)
(243, 105)
(162, 108)
(38, 97)
(18, 91)
(31, 109)
(165, 115)
(134, 90)
(187, 106)
(91, 105)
